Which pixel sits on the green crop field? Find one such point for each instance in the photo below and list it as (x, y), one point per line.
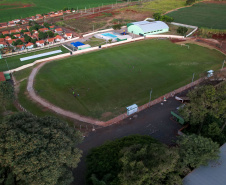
(207, 15)
(109, 80)
(16, 9)
(14, 62)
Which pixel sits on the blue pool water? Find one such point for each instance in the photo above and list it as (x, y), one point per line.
(109, 35)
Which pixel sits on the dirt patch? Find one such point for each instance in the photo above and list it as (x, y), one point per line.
(16, 5)
(106, 114)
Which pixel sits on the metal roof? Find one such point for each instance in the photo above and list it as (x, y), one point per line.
(213, 174)
(147, 26)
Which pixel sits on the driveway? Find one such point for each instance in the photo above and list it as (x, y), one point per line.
(154, 121)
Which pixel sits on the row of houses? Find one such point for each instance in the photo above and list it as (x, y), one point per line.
(34, 18)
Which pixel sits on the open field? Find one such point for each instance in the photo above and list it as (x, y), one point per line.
(109, 80)
(209, 15)
(15, 62)
(16, 9)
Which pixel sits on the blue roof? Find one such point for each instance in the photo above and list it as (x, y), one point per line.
(76, 44)
(213, 174)
(147, 26)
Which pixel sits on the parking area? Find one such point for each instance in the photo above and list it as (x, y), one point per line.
(154, 121)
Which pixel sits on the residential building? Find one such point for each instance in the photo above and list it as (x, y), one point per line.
(40, 43)
(68, 35)
(58, 38)
(50, 40)
(29, 45)
(3, 44)
(59, 30)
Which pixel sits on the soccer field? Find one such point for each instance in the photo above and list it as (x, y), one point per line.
(16, 9)
(109, 80)
(209, 15)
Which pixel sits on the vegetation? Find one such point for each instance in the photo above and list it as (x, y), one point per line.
(209, 117)
(202, 15)
(105, 84)
(6, 94)
(208, 33)
(182, 30)
(164, 18)
(117, 26)
(37, 150)
(15, 62)
(95, 42)
(189, 2)
(197, 150)
(15, 9)
(141, 160)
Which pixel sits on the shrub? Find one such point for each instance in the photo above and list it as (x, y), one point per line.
(182, 30)
(117, 26)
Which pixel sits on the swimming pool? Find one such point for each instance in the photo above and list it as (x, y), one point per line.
(109, 35)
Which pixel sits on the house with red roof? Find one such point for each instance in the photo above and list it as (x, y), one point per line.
(5, 32)
(27, 33)
(22, 39)
(14, 31)
(50, 40)
(35, 36)
(68, 35)
(20, 47)
(3, 25)
(2, 77)
(29, 45)
(11, 41)
(7, 38)
(40, 43)
(52, 27)
(58, 38)
(3, 44)
(59, 30)
(11, 23)
(2, 39)
(17, 35)
(43, 29)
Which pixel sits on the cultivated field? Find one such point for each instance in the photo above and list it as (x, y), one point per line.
(14, 62)
(209, 15)
(109, 80)
(16, 9)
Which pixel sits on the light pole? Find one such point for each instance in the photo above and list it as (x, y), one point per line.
(223, 64)
(193, 77)
(150, 97)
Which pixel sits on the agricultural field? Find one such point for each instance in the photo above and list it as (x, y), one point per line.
(208, 15)
(16, 9)
(107, 81)
(14, 62)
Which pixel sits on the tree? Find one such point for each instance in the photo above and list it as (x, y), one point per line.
(148, 165)
(42, 35)
(182, 30)
(197, 150)
(189, 2)
(38, 150)
(50, 34)
(27, 38)
(47, 25)
(206, 109)
(157, 16)
(6, 93)
(117, 26)
(2, 36)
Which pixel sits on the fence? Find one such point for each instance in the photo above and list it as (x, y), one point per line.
(156, 101)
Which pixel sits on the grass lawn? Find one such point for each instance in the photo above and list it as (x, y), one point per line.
(95, 42)
(15, 62)
(109, 80)
(207, 15)
(16, 9)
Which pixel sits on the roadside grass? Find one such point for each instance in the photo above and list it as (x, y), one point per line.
(14, 62)
(109, 80)
(209, 15)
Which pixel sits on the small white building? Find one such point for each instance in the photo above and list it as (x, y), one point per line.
(132, 109)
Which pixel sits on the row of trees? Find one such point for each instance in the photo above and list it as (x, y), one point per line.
(140, 160)
(164, 18)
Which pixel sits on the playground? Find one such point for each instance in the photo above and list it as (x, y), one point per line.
(109, 80)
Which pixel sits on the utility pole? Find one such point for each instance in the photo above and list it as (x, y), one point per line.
(93, 27)
(93, 10)
(223, 64)
(7, 64)
(150, 97)
(193, 77)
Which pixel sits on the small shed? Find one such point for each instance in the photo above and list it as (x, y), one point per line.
(210, 73)
(147, 28)
(132, 109)
(86, 46)
(76, 44)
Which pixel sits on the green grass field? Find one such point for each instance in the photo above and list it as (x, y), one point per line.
(14, 9)
(202, 15)
(14, 62)
(109, 80)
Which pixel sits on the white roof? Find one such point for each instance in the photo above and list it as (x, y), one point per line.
(147, 26)
(210, 71)
(213, 174)
(134, 106)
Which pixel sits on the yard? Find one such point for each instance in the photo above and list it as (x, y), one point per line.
(16, 9)
(209, 15)
(14, 62)
(109, 80)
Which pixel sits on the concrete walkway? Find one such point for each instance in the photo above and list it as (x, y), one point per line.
(52, 107)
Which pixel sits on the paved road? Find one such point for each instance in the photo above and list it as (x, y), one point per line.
(154, 121)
